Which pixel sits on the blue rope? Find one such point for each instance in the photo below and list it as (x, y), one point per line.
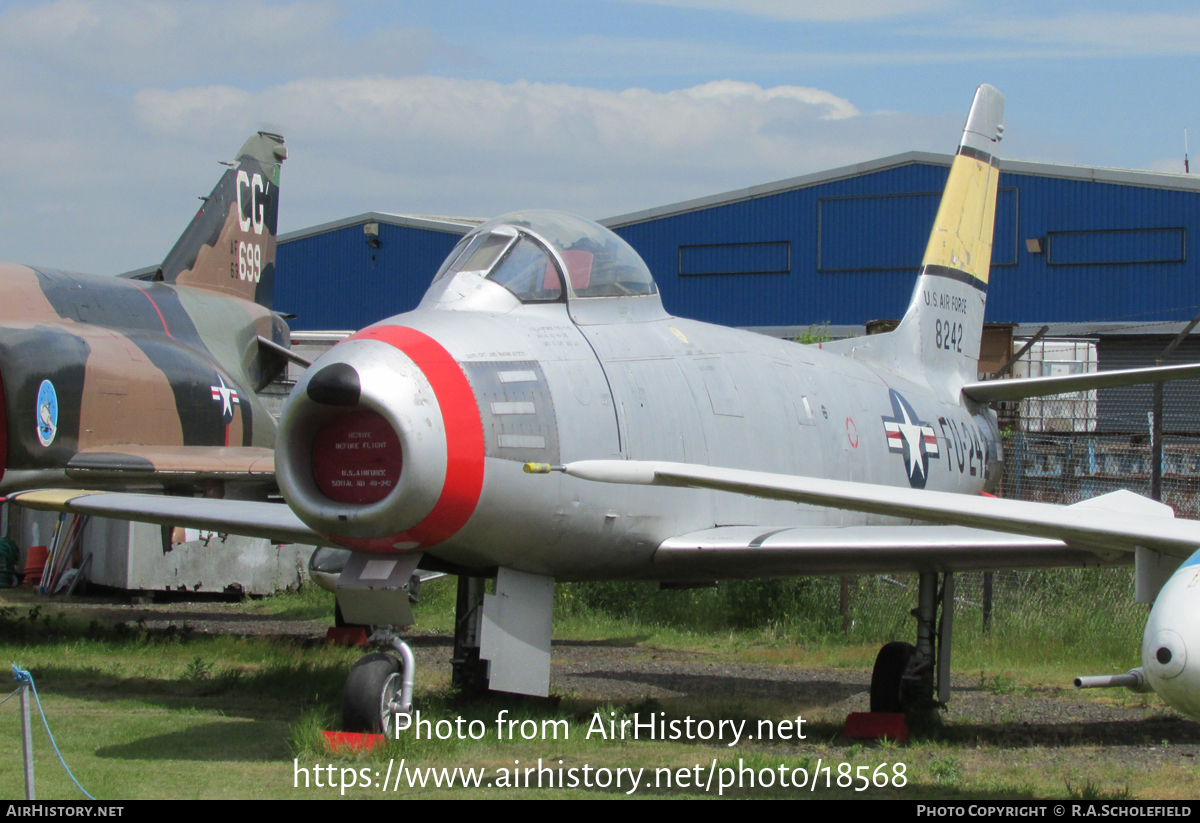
(26, 678)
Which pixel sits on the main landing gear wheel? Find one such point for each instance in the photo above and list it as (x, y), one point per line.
(372, 689)
(890, 664)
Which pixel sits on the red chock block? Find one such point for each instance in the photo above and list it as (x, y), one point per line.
(351, 741)
(874, 725)
(346, 635)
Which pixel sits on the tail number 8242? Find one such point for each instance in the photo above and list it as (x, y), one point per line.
(948, 335)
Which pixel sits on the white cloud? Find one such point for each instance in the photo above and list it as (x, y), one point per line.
(432, 144)
(238, 41)
(616, 60)
(536, 119)
(103, 183)
(190, 111)
(835, 108)
(100, 171)
(1097, 33)
(815, 10)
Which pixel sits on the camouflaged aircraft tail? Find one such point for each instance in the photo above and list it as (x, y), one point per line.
(229, 247)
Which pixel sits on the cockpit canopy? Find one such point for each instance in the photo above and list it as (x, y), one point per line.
(547, 256)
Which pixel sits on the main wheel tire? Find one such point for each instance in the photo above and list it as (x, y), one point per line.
(373, 683)
(885, 677)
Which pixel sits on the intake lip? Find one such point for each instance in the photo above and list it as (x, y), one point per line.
(338, 384)
(390, 472)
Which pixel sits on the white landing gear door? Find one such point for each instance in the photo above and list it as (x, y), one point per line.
(373, 588)
(515, 635)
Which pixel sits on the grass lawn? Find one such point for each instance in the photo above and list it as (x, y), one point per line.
(174, 714)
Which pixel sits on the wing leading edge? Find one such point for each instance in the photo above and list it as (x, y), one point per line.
(156, 464)
(274, 521)
(1107, 525)
(990, 391)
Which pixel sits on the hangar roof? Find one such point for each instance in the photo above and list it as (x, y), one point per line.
(1161, 180)
(461, 225)
(1101, 329)
(452, 225)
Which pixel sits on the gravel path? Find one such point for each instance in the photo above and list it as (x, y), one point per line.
(623, 674)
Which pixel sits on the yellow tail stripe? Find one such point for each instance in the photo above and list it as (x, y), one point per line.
(962, 233)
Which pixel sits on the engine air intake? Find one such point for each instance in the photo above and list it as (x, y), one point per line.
(356, 458)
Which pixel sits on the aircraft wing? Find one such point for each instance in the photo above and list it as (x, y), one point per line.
(274, 521)
(1112, 523)
(754, 551)
(158, 464)
(989, 391)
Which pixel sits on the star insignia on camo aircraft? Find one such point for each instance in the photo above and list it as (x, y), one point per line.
(913, 438)
(227, 397)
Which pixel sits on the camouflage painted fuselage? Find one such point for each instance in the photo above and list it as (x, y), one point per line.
(124, 382)
(128, 364)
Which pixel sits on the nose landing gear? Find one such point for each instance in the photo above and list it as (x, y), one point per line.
(378, 692)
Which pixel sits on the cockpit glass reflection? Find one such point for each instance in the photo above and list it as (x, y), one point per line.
(483, 254)
(598, 262)
(528, 272)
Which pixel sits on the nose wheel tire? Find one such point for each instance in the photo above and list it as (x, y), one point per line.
(371, 694)
(890, 664)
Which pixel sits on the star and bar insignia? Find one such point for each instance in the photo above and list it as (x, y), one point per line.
(913, 438)
(227, 397)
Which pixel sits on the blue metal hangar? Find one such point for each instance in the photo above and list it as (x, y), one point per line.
(1073, 245)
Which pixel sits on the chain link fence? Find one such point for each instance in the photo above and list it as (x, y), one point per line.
(1059, 449)
(1066, 468)
(1038, 615)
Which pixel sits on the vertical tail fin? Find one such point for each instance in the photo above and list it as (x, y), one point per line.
(940, 334)
(937, 341)
(229, 247)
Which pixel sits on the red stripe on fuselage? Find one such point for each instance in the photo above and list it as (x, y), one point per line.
(464, 433)
(160, 314)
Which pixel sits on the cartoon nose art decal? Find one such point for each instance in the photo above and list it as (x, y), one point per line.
(47, 413)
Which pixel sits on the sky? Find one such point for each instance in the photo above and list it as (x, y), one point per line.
(114, 114)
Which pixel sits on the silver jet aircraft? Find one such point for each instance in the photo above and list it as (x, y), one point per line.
(540, 417)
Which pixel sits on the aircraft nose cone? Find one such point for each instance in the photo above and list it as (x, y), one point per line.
(338, 384)
(1173, 627)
